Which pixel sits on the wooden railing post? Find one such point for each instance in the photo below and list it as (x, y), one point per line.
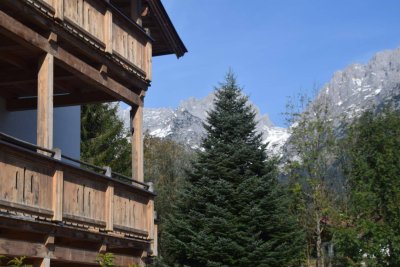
(59, 9)
(150, 218)
(155, 238)
(45, 101)
(148, 60)
(137, 142)
(58, 190)
(109, 202)
(108, 31)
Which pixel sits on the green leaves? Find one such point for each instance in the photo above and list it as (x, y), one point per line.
(105, 260)
(373, 171)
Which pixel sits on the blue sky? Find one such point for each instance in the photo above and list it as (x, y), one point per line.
(277, 48)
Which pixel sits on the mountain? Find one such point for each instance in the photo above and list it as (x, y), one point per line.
(363, 86)
(350, 91)
(185, 124)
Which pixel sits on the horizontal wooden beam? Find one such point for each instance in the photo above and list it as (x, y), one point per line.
(22, 248)
(10, 247)
(15, 104)
(19, 32)
(69, 232)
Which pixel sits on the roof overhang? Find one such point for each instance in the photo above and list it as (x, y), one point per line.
(166, 38)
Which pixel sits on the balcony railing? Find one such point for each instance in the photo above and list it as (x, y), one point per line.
(101, 24)
(39, 183)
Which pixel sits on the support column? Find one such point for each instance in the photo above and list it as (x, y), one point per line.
(137, 143)
(45, 101)
(42, 263)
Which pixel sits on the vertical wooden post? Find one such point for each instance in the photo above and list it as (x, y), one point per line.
(137, 143)
(42, 263)
(58, 195)
(150, 218)
(155, 241)
(45, 101)
(110, 207)
(59, 9)
(148, 60)
(108, 31)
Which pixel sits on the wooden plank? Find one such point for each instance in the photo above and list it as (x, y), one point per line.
(108, 31)
(109, 207)
(89, 257)
(130, 230)
(22, 248)
(69, 61)
(154, 244)
(150, 219)
(25, 208)
(149, 61)
(84, 220)
(69, 232)
(45, 101)
(59, 9)
(57, 198)
(137, 143)
(44, 262)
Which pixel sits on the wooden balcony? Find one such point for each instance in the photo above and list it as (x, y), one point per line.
(106, 28)
(41, 186)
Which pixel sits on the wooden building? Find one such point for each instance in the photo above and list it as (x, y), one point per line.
(55, 210)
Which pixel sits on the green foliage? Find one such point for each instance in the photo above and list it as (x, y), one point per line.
(18, 262)
(312, 149)
(103, 139)
(165, 163)
(106, 259)
(372, 226)
(232, 211)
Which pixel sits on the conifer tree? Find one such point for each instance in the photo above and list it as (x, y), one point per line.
(370, 233)
(232, 212)
(103, 138)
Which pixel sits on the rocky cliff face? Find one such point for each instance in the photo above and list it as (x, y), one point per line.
(185, 124)
(350, 91)
(360, 87)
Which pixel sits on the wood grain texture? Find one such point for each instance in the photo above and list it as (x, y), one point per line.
(137, 143)
(45, 101)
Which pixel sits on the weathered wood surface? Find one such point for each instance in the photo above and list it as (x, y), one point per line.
(137, 143)
(47, 254)
(130, 212)
(114, 33)
(86, 15)
(128, 45)
(84, 198)
(38, 186)
(68, 60)
(45, 101)
(25, 183)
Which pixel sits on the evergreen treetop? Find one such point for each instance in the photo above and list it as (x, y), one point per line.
(232, 211)
(103, 138)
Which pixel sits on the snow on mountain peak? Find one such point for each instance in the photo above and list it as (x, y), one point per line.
(185, 123)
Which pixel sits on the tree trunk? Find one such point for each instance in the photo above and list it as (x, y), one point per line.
(320, 258)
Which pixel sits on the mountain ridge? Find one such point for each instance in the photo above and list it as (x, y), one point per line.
(350, 91)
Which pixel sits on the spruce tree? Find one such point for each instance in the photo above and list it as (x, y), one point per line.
(103, 138)
(232, 211)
